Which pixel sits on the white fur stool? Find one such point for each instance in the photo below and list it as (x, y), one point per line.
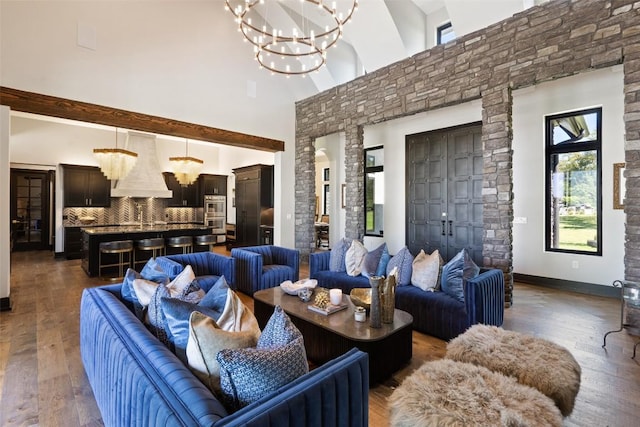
(448, 393)
(533, 361)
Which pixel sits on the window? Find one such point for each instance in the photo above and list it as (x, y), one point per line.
(445, 33)
(573, 182)
(374, 191)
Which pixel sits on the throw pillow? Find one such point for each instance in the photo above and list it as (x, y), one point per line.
(371, 261)
(425, 270)
(402, 260)
(154, 272)
(236, 316)
(337, 255)
(355, 257)
(145, 289)
(278, 331)
(455, 272)
(248, 374)
(178, 312)
(384, 261)
(205, 340)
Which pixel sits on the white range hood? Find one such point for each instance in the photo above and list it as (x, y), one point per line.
(145, 179)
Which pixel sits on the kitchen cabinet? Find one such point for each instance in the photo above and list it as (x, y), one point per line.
(254, 199)
(85, 186)
(215, 185)
(184, 196)
(72, 242)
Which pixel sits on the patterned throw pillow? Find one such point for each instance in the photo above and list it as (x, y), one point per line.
(455, 272)
(371, 261)
(247, 375)
(425, 270)
(354, 258)
(403, 261)
(205, 341)
(337, 255)
(279, 330)
(178, 312)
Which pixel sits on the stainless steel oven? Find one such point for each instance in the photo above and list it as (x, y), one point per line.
(215, 215)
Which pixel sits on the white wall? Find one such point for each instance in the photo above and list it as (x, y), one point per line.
(391, 135)
(597, 88)
(5, 219)
(333, 146)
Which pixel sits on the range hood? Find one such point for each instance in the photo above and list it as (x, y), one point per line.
(145, 179)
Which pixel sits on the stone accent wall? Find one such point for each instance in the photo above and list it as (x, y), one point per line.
(554, 40)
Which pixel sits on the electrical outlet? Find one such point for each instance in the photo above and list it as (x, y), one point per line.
(575, 264)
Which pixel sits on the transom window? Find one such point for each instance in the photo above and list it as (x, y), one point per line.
(445, 33)
(573, 195)
(374, 191)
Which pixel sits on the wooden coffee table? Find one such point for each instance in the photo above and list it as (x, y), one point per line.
(326, 337)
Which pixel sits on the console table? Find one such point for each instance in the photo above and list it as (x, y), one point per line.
(629, 299)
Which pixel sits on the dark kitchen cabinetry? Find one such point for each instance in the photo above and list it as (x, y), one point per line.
(85, 186)
(184, 196)
(72, 242)
(254, 202)
(212, 185)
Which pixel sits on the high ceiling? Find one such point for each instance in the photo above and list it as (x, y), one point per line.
(386, 31)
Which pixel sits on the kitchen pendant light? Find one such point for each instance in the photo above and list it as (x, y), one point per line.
(186, 169)
(115, 163)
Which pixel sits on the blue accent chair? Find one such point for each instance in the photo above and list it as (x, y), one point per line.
(263, 267)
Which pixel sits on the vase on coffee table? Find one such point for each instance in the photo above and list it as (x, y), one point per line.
(375, 316)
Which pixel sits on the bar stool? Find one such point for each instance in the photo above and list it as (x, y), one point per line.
(119, 247)
(206, 240)
(184, 242)
(155, 245)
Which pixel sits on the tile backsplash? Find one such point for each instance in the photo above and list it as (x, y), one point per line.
(126, 210)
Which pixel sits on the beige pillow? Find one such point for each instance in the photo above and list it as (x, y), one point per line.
(354, 258)
(236, 316)
(426, 270)
(145, 289)
(206, 339)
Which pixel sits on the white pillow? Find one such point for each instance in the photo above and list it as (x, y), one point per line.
(354, 258)
(145, 289)
(425, 270)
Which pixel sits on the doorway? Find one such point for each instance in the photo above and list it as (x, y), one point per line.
(444, 191)
(31, 198)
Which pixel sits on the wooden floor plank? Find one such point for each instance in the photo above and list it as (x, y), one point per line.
(42, 381)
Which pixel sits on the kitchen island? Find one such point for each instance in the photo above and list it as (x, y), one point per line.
(93, 236)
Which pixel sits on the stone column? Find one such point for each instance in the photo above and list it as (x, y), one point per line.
(305, 196)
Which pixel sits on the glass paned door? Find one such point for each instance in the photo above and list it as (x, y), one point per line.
(29, 211)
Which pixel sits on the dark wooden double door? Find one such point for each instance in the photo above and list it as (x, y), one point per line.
(31, 200)
(444, 191)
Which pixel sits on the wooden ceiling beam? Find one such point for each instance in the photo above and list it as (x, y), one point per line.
(30, 102)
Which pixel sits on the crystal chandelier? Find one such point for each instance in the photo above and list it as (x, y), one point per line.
(186, 169)
(115, 163)
(317, 26)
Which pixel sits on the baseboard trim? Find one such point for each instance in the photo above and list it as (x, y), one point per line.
(569, 285)
(5, 304)
(58, 255)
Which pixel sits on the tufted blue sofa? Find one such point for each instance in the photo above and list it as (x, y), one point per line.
(207, 266)
(434, 313)
(137, 381)
(263, 267)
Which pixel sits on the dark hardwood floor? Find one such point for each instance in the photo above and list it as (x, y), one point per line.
(42, 381)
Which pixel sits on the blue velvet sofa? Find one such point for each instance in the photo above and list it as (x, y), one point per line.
(136, 380)
(207, 267)
(434, 313)
(263, 267)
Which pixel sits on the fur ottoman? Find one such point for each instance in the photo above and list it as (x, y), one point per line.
(448, 393)
(535, 362)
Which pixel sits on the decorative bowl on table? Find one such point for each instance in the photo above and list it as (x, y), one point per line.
(292, 288)
(361, 297)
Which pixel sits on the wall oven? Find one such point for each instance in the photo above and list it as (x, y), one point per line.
(215, 215)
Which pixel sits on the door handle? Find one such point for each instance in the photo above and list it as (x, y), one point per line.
(450, 228)
(443, 228)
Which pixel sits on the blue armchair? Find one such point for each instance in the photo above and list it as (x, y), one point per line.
(263, 267)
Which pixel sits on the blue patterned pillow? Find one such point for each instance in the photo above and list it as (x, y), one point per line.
(460, 268)
(248, 374)
(337, 256)
(372, 261)
(404, 261)
(177, 313)
(384, 261)
(278, 331)
(152, 271)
